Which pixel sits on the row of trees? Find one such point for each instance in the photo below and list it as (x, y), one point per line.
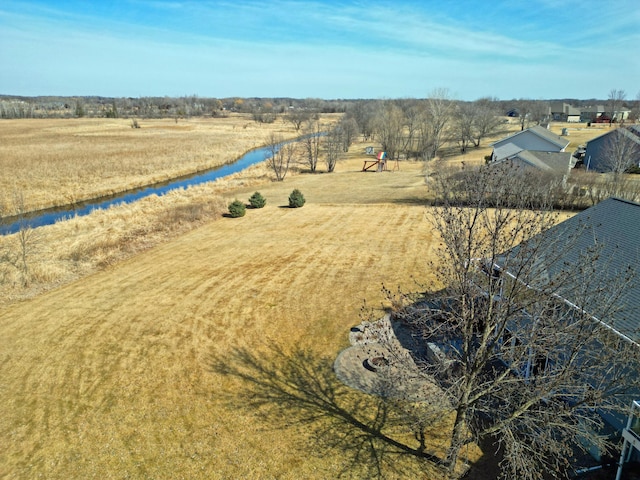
(420, 128)
(319, 142)
(160, 107)
(69, 107)
(408, 128)
(270, 109)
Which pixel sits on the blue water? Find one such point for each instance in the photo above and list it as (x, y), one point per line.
(51, 216)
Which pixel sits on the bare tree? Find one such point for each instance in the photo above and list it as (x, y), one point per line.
(439, 111)
(349, 129)
(27, 240)
(389, 126)
(364, 112)
(311, 144)
(474, 121)
(463, 124)
(414, 113)
(621, 151)
(516, 363)
(532, 111)
(540, 111)
(436, 115)
(298, 117)
(614, 102)
(80, 108)
(334, 148)
(487, 121)
(263, 112)
(280, 156)
(524, 107)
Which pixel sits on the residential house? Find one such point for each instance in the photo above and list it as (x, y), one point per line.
(592, 112)
(564, 112)
(557, 165)
(601, 151)
(554, 163)
(621, 115)
(613, 225)
(536, 139)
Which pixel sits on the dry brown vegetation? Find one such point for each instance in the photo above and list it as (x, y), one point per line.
(166, 355)
(57, 162)
(120, 372)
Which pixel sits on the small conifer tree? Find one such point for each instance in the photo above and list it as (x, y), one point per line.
(237, 209)
(257, 200)
(296, 199)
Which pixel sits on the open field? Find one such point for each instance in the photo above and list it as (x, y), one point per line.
(115, 375)
(119, 374)
(170, 358)
(57, 162)
(72, 249)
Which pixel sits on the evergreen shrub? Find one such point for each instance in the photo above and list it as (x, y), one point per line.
(257, 200)
(296, 199)
(237, 209)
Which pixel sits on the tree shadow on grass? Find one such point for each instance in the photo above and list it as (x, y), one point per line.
(299, 389)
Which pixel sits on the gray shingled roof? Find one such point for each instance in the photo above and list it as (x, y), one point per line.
(550, 136)
(558, 162)
(507, 150)
(613, 224)
(632, 132)
(541, 132)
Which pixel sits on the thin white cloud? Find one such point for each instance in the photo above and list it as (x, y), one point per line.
(252, 49)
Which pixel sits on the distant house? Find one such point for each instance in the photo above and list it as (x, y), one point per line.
(621, 115)
(591, 113)
(600, 151)
(614, 225)
(534, 139)
(563, 112)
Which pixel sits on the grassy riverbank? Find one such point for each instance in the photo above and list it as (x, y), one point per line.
(56, 161)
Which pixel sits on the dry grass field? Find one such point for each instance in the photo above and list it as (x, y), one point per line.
(57, 162)
(117, 375)
(206, 352)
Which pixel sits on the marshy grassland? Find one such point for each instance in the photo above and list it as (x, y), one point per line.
(54, 162)
(163, 340)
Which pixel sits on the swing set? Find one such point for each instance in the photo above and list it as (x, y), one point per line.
(379, 164)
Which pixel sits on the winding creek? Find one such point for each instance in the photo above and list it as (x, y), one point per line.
(50, 216)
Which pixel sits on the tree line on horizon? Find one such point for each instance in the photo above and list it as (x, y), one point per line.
(262, 109)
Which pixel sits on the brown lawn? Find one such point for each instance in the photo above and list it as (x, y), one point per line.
(112, 376)
(127, 372)
(118, 374)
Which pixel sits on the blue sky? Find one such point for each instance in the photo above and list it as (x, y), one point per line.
(539, 49)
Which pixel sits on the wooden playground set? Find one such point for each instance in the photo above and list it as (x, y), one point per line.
(380, 164)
